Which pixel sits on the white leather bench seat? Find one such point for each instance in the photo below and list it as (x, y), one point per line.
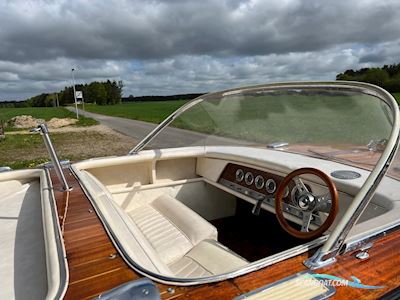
(185, 241)
(207, 258)
(172, 228)
(165, 236)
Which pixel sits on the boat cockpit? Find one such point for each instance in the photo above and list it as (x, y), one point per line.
(259, 175)
(230, 183)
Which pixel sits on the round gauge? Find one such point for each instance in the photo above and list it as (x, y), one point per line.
(270, 186)
(249, 178)
(239, 175)
(259, 182)
(286, 192)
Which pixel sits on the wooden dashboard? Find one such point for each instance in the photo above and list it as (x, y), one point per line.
(258, 181)
(261, 186)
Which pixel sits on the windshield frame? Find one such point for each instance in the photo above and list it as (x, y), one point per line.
(337, 239)
(352, 86)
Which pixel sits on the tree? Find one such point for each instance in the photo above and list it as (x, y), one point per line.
(97, 93)
(376, 76)
(387, 77)
(108, 92)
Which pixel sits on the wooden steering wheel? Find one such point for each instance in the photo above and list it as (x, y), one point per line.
(307, 203)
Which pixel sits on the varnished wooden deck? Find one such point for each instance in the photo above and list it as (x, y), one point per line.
(95, 265)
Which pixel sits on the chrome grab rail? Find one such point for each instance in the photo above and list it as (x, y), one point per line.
(44, 132)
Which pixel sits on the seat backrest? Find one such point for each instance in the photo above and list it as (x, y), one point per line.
(195, 227)
(128, 235)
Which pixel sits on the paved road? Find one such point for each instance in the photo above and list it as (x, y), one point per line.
(135, 129)
(171, 137)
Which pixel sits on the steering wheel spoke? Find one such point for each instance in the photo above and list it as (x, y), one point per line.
(307, 217)
(324, 203)
(308, 203)
(301, 187)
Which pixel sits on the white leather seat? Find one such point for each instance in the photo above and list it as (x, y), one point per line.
(172, 228)
(165, 236)
(205, 259)
(185, 241)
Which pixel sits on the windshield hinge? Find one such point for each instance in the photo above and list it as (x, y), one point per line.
(377, 145)
(277, 145)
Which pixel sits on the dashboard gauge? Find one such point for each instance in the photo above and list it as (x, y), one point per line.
(239, 175)
(249, 178)
(270, 186)
(259, 182)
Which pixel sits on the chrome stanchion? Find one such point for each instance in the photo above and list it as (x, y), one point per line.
(42, 128)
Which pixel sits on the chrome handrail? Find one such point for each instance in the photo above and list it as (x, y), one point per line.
(42, 128)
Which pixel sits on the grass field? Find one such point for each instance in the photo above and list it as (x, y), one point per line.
(397, 96)
(154, 111)
(292, 118)
(314, 119)
(300, 119)
(45, 113)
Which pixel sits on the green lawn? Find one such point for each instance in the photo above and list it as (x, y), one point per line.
(151, 111)
(297, 119)
(351, 119)
(45, 113)
(397, 97)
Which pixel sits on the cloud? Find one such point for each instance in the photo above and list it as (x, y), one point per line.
(212, 44)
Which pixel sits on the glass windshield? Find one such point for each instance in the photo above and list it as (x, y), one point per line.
(345, 125)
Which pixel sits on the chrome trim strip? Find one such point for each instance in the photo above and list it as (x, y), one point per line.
(359, 243)
(5, 169)
(270, 260)
(330, 290)
(61, 252)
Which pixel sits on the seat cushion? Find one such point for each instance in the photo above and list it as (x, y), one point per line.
(205, 259)
(171, 228)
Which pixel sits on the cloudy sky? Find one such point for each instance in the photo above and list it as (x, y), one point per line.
(178, 46)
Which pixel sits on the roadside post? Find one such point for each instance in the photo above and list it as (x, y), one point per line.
(73, 85)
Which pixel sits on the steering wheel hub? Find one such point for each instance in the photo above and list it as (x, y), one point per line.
(306, 202)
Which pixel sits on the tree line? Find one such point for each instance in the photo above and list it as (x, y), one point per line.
(387, 77)
(110, 92)
(103, 93)
(13, 104)
(132, 98)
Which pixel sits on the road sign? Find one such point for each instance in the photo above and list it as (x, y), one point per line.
(79, 94)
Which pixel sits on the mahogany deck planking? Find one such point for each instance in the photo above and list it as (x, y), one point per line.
(93, 271)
